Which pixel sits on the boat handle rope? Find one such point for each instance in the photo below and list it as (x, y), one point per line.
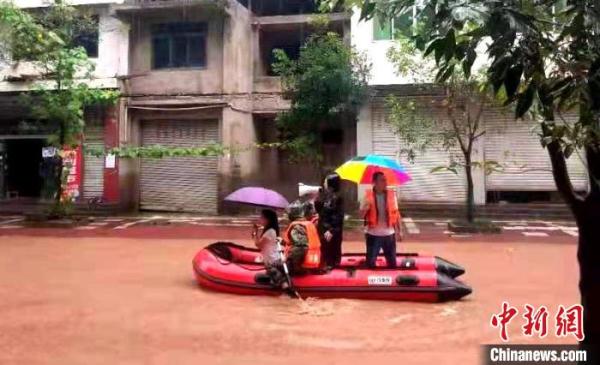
(226, 262)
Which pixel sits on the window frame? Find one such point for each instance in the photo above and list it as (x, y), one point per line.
(79, 39)
(170, 33)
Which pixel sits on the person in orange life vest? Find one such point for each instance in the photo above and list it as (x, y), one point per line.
(382, 219)
(303, 248)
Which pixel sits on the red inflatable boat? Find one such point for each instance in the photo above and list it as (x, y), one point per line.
(216, 268)
(405, 261)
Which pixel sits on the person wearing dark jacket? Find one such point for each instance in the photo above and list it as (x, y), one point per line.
(330, 207)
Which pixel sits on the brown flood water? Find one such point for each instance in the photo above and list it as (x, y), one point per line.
(133, 301)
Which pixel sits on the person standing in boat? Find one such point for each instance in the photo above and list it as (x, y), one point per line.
(330, 207)
(379, 208)
(303, 248)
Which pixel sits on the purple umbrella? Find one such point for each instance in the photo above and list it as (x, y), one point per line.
(258, 196)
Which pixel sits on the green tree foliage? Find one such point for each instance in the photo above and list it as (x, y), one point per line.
(47, 39)
(326, 86)
(545, 56)
(158, 151)
(462, 104)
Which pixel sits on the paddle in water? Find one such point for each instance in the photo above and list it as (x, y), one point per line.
(290, 289)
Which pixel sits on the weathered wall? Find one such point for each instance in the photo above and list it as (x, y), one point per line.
(238, 48)
(238, 130)
(239, 133)
(112, 60)
(267, 84)
(113, 45)
(143, 80)
(128, 167)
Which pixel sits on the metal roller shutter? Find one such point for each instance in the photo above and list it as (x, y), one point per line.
(516, 145)
(93, 167)
(425, 186)
(182, 184)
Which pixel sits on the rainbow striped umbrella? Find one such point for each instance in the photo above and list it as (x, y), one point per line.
(361, 169)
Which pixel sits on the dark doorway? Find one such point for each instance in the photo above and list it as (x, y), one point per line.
(23, 158)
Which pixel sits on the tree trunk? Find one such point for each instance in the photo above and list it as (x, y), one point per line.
(59, 181)
(59, 173)
(587, 215)
(470, 190)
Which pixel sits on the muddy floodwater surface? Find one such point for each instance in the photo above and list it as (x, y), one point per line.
(133, 301)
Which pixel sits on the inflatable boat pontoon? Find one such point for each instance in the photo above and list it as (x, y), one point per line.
(232, 268)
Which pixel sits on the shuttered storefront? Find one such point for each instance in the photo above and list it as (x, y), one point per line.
(182, 184)
(425, 186)
(93, 167)
(515, 144)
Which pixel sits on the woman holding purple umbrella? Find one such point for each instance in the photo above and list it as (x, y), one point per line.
(265, 231)
(265, 237)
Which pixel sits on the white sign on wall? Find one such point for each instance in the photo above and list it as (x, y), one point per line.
(110, 161)
(48, 152)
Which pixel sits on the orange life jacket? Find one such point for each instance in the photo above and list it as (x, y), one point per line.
(393, 213)
(312, 260)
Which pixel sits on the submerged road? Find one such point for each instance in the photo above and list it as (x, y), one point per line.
(109, 300)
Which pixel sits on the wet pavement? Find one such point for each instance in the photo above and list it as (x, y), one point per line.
(109, 300)
(176, 226)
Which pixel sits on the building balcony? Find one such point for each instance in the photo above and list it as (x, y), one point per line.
(136, 6)
(287, 33)
(336, 20)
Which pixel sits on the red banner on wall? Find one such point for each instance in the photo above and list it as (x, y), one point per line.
(72, 164)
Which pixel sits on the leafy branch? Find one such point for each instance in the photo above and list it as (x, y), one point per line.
(326, 86)
(159, 151)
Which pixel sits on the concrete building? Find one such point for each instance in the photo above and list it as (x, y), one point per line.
(191, 73)
(199, 73)
(527, 175)
(196, 72)
(22, 139)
